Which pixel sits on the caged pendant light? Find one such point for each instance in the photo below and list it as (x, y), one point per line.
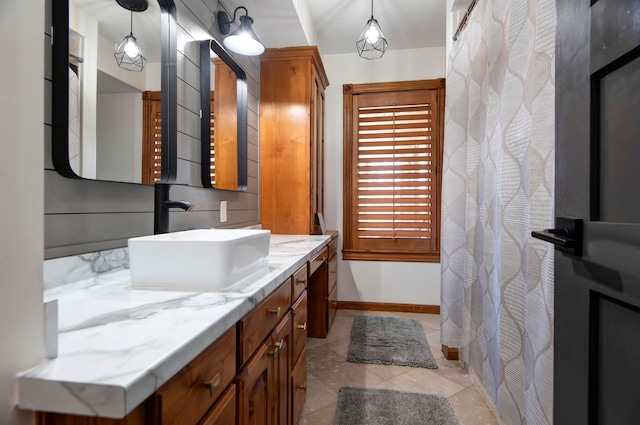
(371, 44)
(129, 54)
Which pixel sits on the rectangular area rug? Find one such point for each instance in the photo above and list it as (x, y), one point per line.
(389, 340)
(374, 406)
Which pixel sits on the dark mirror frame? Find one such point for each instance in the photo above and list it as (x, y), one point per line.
(205, 104)
(60, 90)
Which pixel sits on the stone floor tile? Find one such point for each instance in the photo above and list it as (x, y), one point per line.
(471, 409)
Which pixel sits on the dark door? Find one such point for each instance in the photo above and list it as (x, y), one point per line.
(597, 294)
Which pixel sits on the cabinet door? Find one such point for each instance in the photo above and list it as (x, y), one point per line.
(282, 370)
(224, 411)
(255, 388)
(317, 293)
(299, 319)
(319, 151)
(299, 386)
(332, 306)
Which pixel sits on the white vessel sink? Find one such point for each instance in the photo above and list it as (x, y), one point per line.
(202, 260)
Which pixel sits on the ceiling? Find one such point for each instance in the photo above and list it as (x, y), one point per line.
(338, 23)
(405, 23)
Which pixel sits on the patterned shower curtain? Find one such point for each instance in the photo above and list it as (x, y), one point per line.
(498, 174)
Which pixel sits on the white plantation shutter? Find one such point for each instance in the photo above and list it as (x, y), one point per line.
(152, 138)
(157, 147)
(393, 173)
(212, 151)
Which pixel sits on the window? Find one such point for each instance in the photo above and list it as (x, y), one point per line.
(151, 137)
(392, 163)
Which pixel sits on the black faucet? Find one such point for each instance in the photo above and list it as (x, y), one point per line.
(162, 203)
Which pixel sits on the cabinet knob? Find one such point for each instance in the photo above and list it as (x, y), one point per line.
(302, 326)
(275, 311)
(213, 385)
(301, 281)
(303, 387)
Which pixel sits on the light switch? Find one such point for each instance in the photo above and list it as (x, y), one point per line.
(223, 211)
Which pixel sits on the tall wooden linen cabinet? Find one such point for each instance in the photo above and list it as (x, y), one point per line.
(292, 84)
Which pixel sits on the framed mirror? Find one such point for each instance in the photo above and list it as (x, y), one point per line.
(223, 85)
(110, 123)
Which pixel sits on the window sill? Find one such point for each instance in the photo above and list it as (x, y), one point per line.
(408, 257)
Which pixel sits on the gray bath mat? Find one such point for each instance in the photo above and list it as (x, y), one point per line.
(389, 340)
(372, 406)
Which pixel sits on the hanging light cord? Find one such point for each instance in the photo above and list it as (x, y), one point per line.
(131, 28)
(371, 9)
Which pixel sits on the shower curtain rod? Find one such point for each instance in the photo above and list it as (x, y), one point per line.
(78, 58)
(463, 23)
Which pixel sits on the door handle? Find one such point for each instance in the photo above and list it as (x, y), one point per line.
(567, 236)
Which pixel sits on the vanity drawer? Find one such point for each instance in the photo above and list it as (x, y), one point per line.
(299, 325)
(299, 283)
(255, 326)
(318, 260)
(332, 307)
(299, 385)
(333, 273)
(333, 247)
(224, 411)
(193, 390)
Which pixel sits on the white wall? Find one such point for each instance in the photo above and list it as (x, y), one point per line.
(21, 170)
(369, 281)
(119, 137)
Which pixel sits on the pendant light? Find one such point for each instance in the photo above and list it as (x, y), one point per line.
(129, 54)
(243, 40)
(371, 44)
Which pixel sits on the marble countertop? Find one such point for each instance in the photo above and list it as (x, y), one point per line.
(117, 345)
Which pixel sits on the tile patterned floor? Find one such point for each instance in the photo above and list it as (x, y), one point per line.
(328, 370)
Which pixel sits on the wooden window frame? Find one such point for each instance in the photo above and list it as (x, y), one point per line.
(351, 251)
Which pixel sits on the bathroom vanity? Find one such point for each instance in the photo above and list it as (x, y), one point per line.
(132, 356)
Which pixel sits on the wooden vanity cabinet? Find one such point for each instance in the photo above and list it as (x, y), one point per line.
(299, 318)
(332, 298)
(255, 388)
(299, 385)
(263, 383)
(255, 326)
(224, 411)
(323, 291)
(292, 84)
(254, 374)
(192, 391)
(283, 341)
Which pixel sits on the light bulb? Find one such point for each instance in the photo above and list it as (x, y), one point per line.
(131, 48)
(373, 35)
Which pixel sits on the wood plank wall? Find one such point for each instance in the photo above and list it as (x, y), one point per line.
(85, 216)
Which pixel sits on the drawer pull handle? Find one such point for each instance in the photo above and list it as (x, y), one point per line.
(275, 311)
(302, 326)
(303, 387)
(301, 281)
(278, 347)
(213, 385)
